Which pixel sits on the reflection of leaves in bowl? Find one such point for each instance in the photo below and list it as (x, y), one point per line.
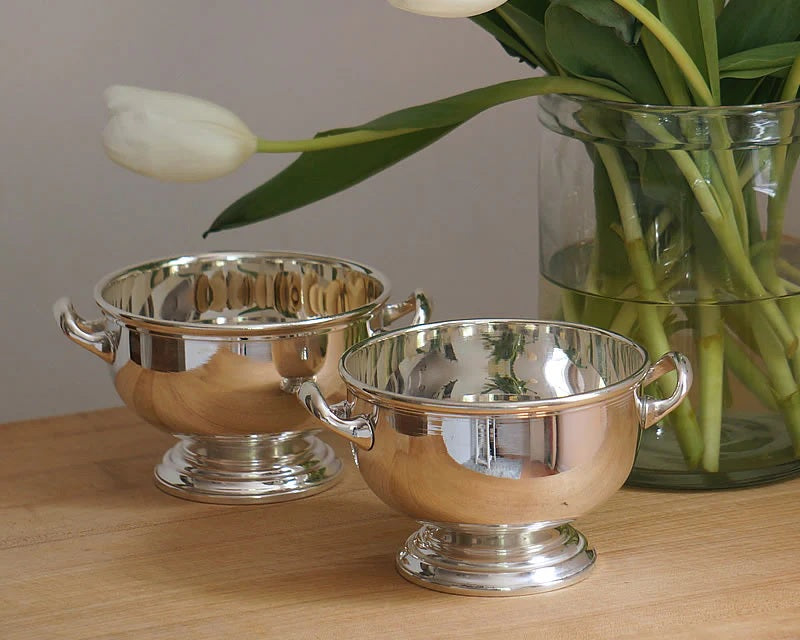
(437, 345)
(506, 348)
(446, 391)
(510, 385)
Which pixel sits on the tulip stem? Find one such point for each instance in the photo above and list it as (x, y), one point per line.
(321, 143)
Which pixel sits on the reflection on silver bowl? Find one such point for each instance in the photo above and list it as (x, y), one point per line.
(212, 347)
(495, 435)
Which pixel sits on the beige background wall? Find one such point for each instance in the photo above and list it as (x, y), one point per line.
(457, 219)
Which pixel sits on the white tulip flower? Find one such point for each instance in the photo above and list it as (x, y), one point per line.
(174, 137)
(447, 8)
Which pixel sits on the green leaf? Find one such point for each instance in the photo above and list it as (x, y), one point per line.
(530, 31)
(768, 91)
(693, 23)
(319, 174)
(492, 23)
(739, 91)
(668, 72)
(749, 24)
(760, 62)
(534, 8)
(605, 13)
(456, 109)
(593, 52)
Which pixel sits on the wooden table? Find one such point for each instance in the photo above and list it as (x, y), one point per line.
(89, 548)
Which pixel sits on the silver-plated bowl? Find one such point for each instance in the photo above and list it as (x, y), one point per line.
(212, 347)
(495, 435)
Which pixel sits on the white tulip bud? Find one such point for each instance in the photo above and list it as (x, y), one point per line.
(447, 8)
(174, 137)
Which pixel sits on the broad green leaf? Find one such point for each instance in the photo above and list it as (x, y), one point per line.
(530, 31)
(739, 91)
(317, 175)
(769, 90)
(668, 72)
(763, 61)
(492, 23)
(749, 24)
(456, 109)
(593, 52)
(606, 13)
(508, 39)
(534, 8)
(693, 23)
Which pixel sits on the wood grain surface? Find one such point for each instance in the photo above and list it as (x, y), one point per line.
(89, 548)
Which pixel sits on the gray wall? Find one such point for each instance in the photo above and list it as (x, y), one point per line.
(457, 219)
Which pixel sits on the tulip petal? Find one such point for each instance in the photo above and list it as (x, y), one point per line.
(163, 147)
(121, 98)
(174, 137)
(447, 8)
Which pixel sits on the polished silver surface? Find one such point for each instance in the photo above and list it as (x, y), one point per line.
(487, 560)
(495, 434)
(212, 348)
(248, 469)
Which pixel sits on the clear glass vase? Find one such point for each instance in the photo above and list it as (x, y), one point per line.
(673, 226)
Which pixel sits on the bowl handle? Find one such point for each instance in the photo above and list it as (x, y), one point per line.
(417, 302)
(91, 335)
(653, 409)
(359, 430)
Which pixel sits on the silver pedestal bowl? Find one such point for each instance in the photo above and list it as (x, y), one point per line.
(212, 348)
(495, 435)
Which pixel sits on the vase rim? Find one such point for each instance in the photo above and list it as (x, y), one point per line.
(676, 109)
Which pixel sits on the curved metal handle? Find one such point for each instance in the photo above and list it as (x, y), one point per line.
(359, 430)
(90, 334)
(417, 302)
(653, 409)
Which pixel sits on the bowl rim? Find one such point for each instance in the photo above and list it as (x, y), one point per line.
(411, 404)
(174, 327)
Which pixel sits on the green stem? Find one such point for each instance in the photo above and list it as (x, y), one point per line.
(790, 286)
(753, 220)
(652, 331)
(792, 84)
(625, 319)
(726, 232)
(786, 391)
(772, 326)
(789, 269)
(673, 46)
(741, 364)
(327, 142)
(730, 178)
(631, 227)
(784, 165)
(710, 352)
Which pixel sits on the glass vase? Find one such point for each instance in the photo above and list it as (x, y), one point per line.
(673, 226)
